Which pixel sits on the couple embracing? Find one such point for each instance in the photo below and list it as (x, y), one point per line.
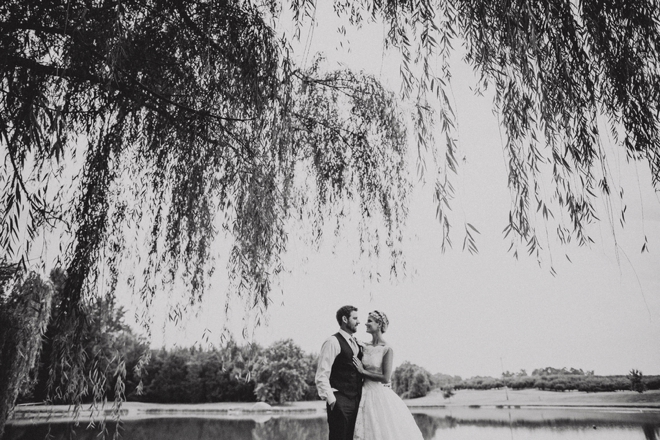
(353, 378)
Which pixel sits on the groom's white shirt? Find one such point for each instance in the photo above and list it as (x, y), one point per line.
(329, 351)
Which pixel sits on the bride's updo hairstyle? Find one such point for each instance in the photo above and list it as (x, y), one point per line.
(381, 319)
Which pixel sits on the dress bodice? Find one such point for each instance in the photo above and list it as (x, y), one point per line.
(382, 415)
(372, 359)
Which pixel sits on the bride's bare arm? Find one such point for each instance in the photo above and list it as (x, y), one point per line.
(387, 368)
(388, 359)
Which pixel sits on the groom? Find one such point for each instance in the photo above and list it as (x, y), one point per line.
(337, 380)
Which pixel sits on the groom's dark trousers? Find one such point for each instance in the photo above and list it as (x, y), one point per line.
(341, 418)
(345, 378)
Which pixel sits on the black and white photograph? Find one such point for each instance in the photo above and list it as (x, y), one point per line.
(341, 219)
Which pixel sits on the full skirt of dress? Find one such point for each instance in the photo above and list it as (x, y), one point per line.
(382, 415)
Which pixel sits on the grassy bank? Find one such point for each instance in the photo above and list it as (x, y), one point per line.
(533, 397)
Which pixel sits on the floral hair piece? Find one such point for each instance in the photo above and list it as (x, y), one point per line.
(381, 319)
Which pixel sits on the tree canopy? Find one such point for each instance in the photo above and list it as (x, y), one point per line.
(564, 73)
(179, 120)
(184, 119)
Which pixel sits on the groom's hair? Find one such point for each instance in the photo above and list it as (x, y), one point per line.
(345, 311)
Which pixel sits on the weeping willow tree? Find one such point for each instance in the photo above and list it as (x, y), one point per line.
(184, 119)
(175, 121)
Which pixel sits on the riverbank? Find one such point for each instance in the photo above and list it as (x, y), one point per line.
(534, 397)
(463, 399)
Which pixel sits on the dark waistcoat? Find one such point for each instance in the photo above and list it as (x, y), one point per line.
(344, 377)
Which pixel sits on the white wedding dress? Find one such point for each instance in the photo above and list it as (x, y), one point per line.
(382, 415)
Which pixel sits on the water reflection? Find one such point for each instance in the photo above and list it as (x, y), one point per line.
(181, 429)
(650, 431)
(435, 425)
(540, 424)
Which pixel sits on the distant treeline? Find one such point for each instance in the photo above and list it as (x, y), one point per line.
(551, 379)
(283, 372)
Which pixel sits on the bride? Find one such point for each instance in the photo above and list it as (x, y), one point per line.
(382, 415)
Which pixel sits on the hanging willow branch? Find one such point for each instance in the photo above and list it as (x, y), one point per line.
(561, 70)
(25, 301)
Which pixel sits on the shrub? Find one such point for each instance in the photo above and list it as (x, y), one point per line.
(281, 373)
(636, 383)
(447, 391)
(410, 381)
(652, 382)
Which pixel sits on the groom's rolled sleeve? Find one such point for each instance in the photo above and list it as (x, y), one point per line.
(329, 352)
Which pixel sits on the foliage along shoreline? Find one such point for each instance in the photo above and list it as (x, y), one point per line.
(283, 372)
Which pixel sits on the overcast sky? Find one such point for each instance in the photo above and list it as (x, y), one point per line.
(463, 314)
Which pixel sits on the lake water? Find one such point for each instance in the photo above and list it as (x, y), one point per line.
(435, 424)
